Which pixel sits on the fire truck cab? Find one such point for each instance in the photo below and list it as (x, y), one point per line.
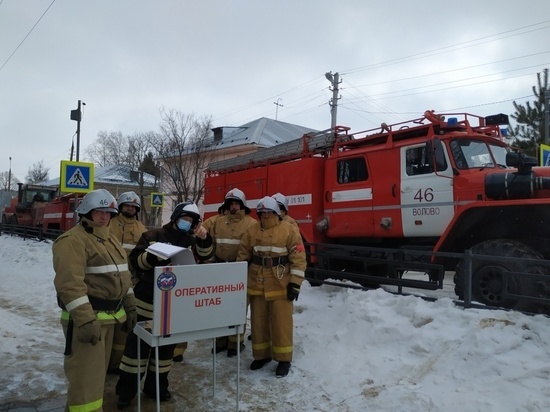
(27, 208)
(39, 207)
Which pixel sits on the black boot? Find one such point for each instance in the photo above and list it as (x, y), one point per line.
(282, 369)
(164, 396)
(123, 403)
(233, 352)
(259, 363)
(218, 349)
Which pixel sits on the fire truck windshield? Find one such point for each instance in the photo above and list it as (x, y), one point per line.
(499, 154)
(36, 195)
(470, 154)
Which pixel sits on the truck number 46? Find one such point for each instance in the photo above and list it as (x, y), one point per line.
(424, 195)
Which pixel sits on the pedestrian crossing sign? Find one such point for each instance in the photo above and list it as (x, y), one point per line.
(76, 177)
(544, 155)
(157, 199)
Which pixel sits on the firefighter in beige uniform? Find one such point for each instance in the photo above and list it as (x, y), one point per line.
(282, 201)
(226, 234)
(277, 263)
(94, 289)
(127, 229)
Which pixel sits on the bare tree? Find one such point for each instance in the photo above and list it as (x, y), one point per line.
(4, 181)
(140, 158)
(184, 146)
(37, 173)
(109, 149)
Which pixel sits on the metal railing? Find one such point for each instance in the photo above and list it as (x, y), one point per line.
(341, 265)
(29, 232)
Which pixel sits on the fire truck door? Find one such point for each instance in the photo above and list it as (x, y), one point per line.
(426, 197)
(348, 197)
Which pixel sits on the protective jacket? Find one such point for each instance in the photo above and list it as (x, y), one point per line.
(145, 262)
(227, 232)
(290, 220)
(276, 255)
(209, 223)
(127, 230)
(91, 275)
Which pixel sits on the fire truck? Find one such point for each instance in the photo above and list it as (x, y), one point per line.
(40, 207)
(409, 196)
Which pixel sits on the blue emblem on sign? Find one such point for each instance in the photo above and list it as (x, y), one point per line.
(166, 281)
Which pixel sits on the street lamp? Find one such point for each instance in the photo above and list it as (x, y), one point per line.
(9, 178)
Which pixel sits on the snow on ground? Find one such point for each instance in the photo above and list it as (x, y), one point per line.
(354, 350)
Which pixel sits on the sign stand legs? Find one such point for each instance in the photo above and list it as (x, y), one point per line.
(139, 373)
(157, 376)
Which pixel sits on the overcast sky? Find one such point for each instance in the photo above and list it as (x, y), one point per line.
(232, 60)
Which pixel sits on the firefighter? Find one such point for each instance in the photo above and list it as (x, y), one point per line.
(227, 232)
(94, 290)
(185, 230)
(127, 229)
(222, 211)
(207, 224)
(277, 263)
(282, 201)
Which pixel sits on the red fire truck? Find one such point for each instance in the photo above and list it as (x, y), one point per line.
(441, 183)
(39, 207)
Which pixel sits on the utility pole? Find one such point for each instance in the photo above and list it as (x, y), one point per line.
(278, 105)
(335, 81)
(9, 178)
(77, 115)
(546, 116)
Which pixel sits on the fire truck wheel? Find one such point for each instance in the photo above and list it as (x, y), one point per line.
(487, 276)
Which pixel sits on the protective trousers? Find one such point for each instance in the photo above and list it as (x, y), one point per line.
(272, 328)
(85, 369)
(130, 365)
(230, 342)
(119, 341)
(180, 349)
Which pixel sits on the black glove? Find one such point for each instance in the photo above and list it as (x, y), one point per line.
(89, 332)
(292, 291)
(131, 320)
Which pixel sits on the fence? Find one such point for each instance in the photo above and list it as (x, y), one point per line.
(481, 281)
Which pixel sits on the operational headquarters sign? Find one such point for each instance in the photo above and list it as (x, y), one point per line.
(76, 177)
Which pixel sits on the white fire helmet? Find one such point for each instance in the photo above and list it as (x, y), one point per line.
(268, 204)
(129, 198)
(99, 199)
(236, 194)
(281, 200)
(187, 209)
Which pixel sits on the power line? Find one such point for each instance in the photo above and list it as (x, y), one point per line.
(509, 33)
(25, 38)
(454, 70)
(448, 49)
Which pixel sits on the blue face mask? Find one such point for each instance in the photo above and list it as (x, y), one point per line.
(183, 225)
